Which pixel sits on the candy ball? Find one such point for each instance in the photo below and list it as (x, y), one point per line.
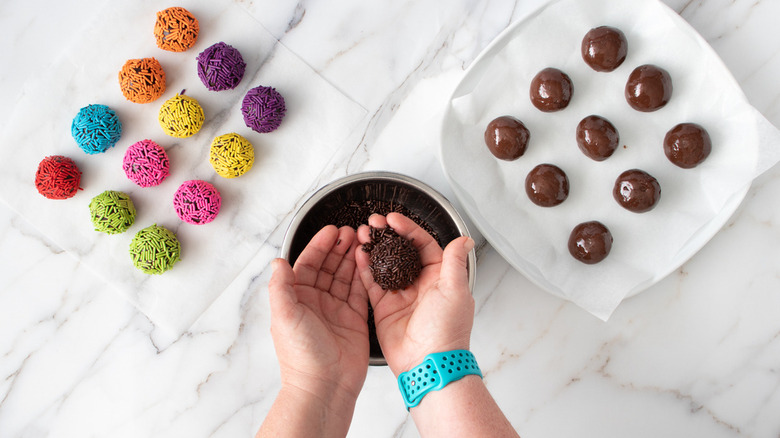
(263, 109)
(142, 80)
(96, 128)
(57, 177)
(197, 202)
(146, 163)
(155, 250)
(231, 155)
(181, 116)
(112, 212)
(176, 29)
(220, 67)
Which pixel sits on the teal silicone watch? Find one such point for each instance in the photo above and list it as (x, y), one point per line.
(434, 373)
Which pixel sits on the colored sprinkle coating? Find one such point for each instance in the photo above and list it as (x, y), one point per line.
(155, 250)
(146, 163)
(197, 202)
(393, 260)
(112, 212)
(263, 109)
(181, 116)
(142, 80)
(96, 128)
(231, 155)
(176, 29)
(221, 67)
(57, 177)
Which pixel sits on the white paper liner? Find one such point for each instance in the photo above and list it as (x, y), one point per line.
(287, 164)
(694, 203)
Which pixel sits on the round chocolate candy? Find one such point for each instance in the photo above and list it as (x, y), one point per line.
(590, 242)
(547, 185)
(506, 138)
(687, 145)
(637, 191)
(604, 48)
(597, 138)
(648, 88)
(551, 90)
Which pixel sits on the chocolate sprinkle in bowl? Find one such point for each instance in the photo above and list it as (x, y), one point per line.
(352, 199)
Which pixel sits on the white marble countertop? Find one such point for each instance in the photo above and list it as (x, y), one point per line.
(695, 355)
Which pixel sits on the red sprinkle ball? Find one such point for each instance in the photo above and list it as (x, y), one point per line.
(57, 177)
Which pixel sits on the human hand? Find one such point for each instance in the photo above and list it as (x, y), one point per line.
(434, 314)
(319, 310)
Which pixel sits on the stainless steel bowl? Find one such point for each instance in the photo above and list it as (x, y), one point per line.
(419, 198)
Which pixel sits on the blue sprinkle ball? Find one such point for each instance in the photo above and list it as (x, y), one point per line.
(96, 128)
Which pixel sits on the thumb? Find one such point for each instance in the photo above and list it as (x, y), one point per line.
(454, 264)
(281, 289)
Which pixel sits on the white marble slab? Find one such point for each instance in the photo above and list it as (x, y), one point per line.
(287, 163)
(695, 355)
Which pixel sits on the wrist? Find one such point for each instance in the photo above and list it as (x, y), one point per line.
(331, 394)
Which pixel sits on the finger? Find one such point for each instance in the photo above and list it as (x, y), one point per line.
(454, 266)
(358, 296)
(363, 234)
(377, 221)
(342, 278)
(334, 260)
(308, 264)
(374, 291)
(429, 249)
(281, 290)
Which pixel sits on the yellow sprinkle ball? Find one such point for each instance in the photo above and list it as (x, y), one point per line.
(231, 155)
(181, 116)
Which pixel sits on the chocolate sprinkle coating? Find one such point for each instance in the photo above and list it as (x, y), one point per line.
(393, 260)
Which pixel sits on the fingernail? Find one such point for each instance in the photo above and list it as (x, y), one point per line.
(469, 244)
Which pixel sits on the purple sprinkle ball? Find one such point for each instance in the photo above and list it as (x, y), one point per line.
(220, 67)
(146, 163)
(197, 202)
(263, 109)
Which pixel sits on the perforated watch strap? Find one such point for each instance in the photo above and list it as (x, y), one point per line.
(434, 373)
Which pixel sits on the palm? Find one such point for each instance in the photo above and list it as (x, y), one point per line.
(319, 313)
(423, 318)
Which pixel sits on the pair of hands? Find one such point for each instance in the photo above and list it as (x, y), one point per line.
(319, 308)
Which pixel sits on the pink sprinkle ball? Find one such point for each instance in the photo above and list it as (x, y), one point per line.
(146, 163)
(197, 202)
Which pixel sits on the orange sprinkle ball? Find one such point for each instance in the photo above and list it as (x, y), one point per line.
(176, 29)
(142, 80)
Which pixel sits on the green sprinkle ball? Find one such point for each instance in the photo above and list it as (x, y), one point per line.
(155, 250)
(112, 212)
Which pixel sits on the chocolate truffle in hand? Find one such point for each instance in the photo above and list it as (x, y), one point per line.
(551, 90)
(393, 260)
(597, 138)
(648, 88)
(547, 185)
(604, 48)
(687, 145)
(590, 242)
(506, 138)
(637, 191)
